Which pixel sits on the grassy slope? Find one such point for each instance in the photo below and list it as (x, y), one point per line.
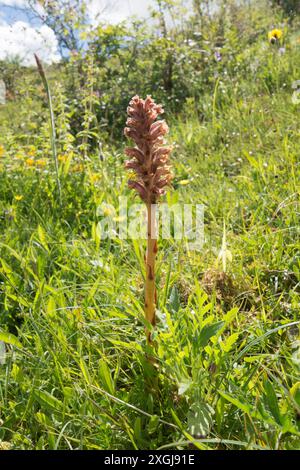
(80, 379)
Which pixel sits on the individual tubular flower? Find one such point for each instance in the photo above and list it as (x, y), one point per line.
(149, 160)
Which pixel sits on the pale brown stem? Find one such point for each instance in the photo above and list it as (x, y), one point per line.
(150, 291)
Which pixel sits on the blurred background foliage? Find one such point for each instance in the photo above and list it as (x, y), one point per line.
(178, 57)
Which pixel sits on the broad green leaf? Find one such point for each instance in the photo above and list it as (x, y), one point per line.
(48, 400)
(85, 371)
(200, 419)
(68, 392)
(227, 344)
(153, 424)
(20, 300)
(295, 392)
(43, 419)
(252, 359)
(242, 406)
(137, 428)
(42, 237)
(272, 401)
(51, 307)
(6, 268)
(231, 315)
(10, 339)
(105, 377)
(208, 332)
(174, 301)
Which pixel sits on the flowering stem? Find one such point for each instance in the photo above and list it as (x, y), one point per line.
(150, 290)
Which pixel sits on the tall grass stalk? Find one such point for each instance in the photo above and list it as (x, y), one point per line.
(52, 123)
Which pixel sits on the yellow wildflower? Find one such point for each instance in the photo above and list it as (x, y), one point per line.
(184, 182)
(78, 167)
(107, 211)
(41, 162)
(1, 150)
(94, 177)
(31, 151)
(18, 197)
(275, 35)
(29, 161)
(64, 157)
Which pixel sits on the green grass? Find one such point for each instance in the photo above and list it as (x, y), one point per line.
(226, 370)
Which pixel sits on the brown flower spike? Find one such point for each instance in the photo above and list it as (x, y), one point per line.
(150, 162)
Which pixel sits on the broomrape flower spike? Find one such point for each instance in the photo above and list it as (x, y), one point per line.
(149, 160)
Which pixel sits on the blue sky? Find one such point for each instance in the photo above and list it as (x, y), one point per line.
(21, 36)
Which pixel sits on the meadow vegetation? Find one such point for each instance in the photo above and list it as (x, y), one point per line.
(75, 372)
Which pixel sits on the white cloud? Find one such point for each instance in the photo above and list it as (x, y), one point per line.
(22, 40)
(14, 3)
(19, 6)
(114, 11)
